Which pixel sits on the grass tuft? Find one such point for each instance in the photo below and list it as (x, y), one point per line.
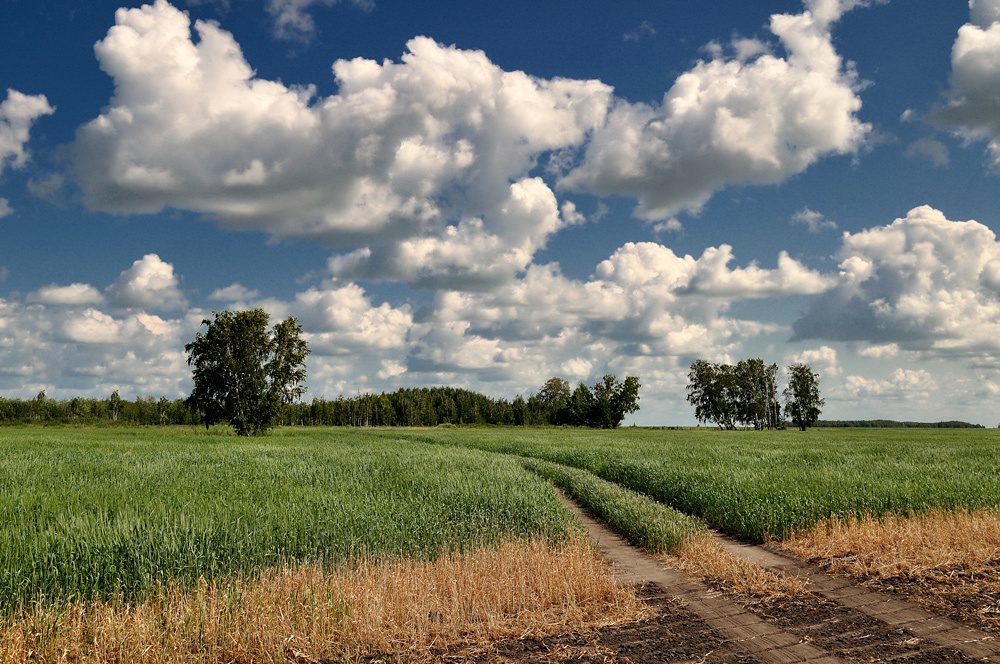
(640, 519)
(706, 559)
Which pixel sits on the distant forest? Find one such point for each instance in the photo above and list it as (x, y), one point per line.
(893, 424)
(405, 407)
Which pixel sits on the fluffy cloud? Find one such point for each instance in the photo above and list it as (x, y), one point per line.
(881, 351)
(753, 118)
(973, 109)
(233, 293)
(648, 263)
(423, 169)
(62, 339)
(150, 283)
(474, 254)
(5, 209)
(77, 350)
(645, 307)
(17, 113)
(923, 283)
(343, 320)
(814, 221)
(902, 384)
(292, 19)
(823, 360)
(74, 294)
(406, 155)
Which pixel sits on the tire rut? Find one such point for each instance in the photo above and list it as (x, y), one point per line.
(766, 642)
(892, 611)
(839, 622)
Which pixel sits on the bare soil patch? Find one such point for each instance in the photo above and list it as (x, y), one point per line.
(948, 562)
(806, 626)
(673, 634)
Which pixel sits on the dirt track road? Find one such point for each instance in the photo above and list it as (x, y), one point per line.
(839, 621)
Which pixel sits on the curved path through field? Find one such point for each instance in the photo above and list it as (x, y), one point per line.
(894, 612)
(927, 638)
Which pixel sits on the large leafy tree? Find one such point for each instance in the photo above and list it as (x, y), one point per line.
(554, 399)
(730, 395)
(606, 404)
(244, 372)
(802, 401)
(711, 391)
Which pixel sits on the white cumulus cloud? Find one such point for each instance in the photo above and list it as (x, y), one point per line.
(150, 283)
(401, 154)
(423, 170)
(233, 293)
(754, 118)
(922, 283)
(74, 294)
(18, 113)
(973, 108)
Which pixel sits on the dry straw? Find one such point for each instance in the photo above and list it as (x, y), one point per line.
(706, 559)
(408, 610)
(948, 560)
(924, 545)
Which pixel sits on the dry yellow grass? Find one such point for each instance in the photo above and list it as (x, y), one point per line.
(924, 545)
(949, 561)
(398, 609)
(706, 559)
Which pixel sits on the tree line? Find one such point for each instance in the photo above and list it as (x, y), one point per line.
(143, 411)
(423, 406)
(896, 424)
(602, 406)
(746, 395)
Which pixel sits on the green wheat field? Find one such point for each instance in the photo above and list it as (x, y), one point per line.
(99, 512)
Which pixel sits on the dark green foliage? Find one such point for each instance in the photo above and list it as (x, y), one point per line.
(894, 424)
(709, 392)
(603, 406)
(745, 394)
(802, 400)
(144, 411)
(408, 407)
(243, 373)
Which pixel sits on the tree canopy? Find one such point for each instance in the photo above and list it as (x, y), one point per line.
(802, 401)
(243, 372)
(745, 394)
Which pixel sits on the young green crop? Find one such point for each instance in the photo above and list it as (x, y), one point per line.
(640, 519)
(769, 484)
(90, 513)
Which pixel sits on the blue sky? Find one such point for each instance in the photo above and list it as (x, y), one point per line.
(490, 195)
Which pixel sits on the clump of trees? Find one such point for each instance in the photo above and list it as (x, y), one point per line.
(603, 406)
(243, 372)
(408, 407)
(746, 394)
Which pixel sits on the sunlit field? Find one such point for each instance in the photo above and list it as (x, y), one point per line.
(770, 484)
(86, 513)
(180, 545)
